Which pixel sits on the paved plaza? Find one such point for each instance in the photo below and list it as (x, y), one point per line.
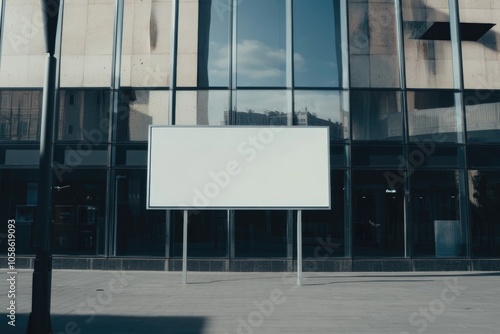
(107, 302)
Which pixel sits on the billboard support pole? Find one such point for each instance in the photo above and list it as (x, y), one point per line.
(299, 247)
(184, 247)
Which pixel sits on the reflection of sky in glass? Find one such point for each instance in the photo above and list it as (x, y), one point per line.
(261, 101)
(324, 104)
(261, 43)
(218, 61)
(315, 57)
(217, 107)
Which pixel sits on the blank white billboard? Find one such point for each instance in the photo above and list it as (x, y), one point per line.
(238, 167)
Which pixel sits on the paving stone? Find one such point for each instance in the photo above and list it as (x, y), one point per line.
(104, 301)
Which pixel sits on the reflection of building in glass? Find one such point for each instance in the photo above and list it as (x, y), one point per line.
(81, 111)
(19, 112)
(256, 118)
(414, 123)
(306, 118)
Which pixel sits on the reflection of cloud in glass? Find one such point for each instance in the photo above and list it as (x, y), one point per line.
(299, 62)
(258, 61)
(218, 64)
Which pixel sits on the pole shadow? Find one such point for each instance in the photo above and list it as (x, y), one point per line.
(108, 324)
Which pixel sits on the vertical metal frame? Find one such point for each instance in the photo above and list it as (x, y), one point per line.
(290, 83)
(231, 228)
(347, 214)
(230, 234)
(456, 46)
(117, 46)
(290, 68)
(57, 55)
(168, 234)
(230, 231)
(458, 83)
(113, 180)
(57, 52)
(2, 16)
(232, 62)
(402, 67)
(456, 58)
(344, 31)
(404, 106)
(344, 40)
(463, 190)
(174, 38)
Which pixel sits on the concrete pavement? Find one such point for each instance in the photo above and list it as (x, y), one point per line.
(107, 302)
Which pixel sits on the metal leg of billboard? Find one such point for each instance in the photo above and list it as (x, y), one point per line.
(299, 247)
(184, 247)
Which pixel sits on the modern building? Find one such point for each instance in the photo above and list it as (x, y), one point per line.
(409, 88)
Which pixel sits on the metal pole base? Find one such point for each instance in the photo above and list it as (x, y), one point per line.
(39, 321)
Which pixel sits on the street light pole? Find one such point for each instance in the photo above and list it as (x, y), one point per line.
(39, 319)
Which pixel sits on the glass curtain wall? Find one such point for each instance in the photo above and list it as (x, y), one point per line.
(323, 230)
(376, 115)
(207, 229)
(82, 141)
(261, 62)
(22, 69)
(139, 232)
(19, 195)
(480, 35)
(378, 214)
(373, 44)
(402, 127)
(427, 44)
(438, 227)
(202, 63)
(481, 70)
(484, 209)
(316, 39)
(377, 108)
(480, 52)
(19, 114)
(23, 45)
(79, 213)
(142, 98)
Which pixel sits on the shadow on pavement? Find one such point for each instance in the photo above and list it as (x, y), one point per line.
(406, 274)
(109, 324)
(368, 275)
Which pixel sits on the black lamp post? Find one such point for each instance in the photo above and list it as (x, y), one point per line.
(39, 320)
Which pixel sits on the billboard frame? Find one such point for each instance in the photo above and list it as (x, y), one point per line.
(327, 181)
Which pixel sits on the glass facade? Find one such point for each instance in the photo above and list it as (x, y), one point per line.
(413, 107)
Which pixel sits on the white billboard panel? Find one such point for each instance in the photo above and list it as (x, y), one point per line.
(238, 167)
